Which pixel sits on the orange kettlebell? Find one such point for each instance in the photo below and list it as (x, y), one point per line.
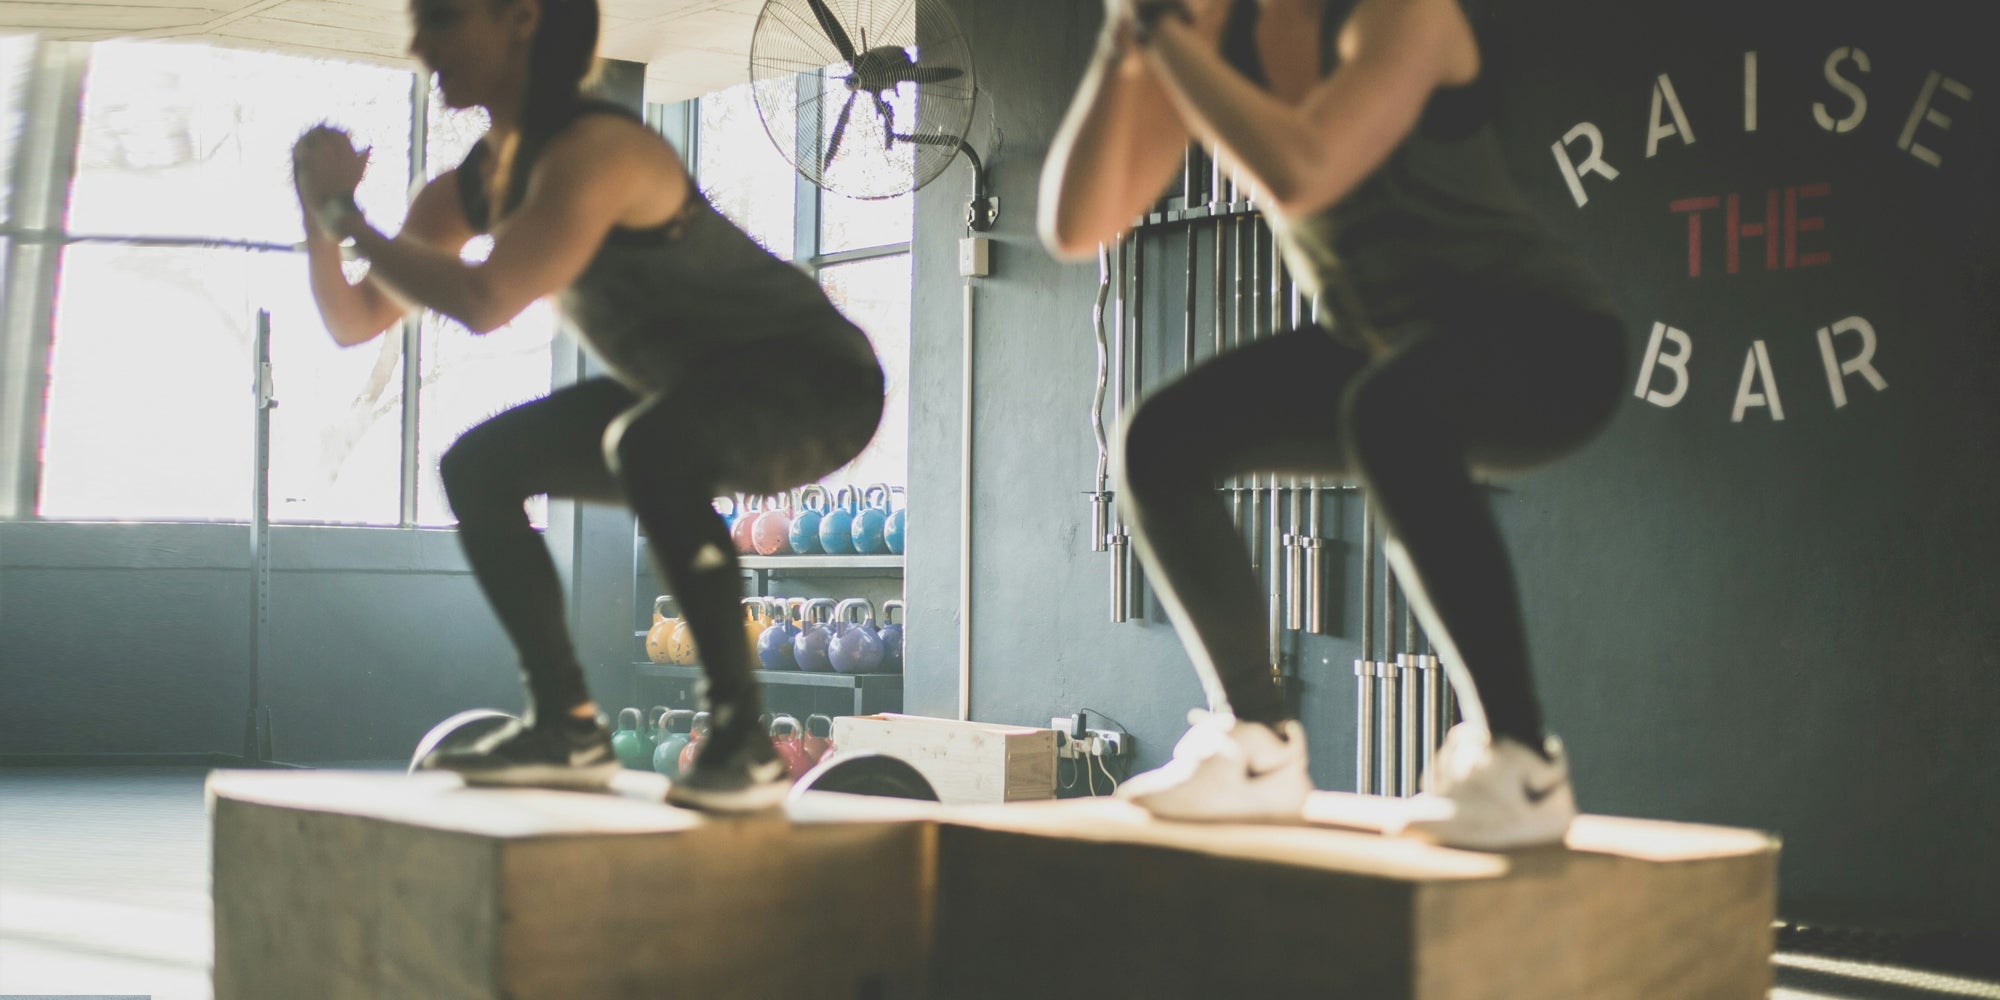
(668, 641)
(756, 618)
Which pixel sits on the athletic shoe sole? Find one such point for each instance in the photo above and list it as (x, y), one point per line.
(755, 798)
(594, 777)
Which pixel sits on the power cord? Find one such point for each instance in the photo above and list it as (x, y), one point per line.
(1107, 774)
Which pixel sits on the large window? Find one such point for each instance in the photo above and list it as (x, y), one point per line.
(181, 226)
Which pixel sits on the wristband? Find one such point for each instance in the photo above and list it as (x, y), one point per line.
(333, 212)
(1147, 15)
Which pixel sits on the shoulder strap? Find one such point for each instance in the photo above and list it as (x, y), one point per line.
(472, 189)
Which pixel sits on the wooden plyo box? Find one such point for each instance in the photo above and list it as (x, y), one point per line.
(334, 885)
(345, 885)
(967, 762)
(1625, 910)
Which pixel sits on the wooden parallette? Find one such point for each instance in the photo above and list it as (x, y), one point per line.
(379, 885)
(966, 762)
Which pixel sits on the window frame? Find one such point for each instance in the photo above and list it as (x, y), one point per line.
(32, 224)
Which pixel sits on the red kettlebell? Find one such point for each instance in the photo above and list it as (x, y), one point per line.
(817, 747)
(695, 736)
(787, 736)
(749, 509)
(772, 535)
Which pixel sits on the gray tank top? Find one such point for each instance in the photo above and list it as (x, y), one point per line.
(1438, 221)
(656, 304)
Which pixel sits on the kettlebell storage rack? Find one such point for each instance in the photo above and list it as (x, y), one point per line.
(871, 693)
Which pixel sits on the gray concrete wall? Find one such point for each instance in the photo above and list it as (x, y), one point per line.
(1780, 624)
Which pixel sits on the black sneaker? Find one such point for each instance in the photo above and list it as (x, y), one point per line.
(735, 770)
(570, 754)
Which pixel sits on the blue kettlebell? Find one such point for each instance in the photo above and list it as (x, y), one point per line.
(675, 728)
(836, 527)
(868, 521)
(811, 506)
(810, 647)
(855, 649)
(774, 644)
(892, 637)
(892, 527)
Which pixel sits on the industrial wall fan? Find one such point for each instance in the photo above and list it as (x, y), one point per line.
(882, 116)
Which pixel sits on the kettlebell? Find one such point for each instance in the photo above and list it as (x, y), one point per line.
(817, 746)
(867, 525)
(653, 734)
(746, 522)
(667, 756)
(772, 535)
(806, 516)
(680, 645)
(892, 526)
(774, 644)
(627, 743)
(661, 637)
(892, 637)
(756, 614)
(728, 516)
(787, 736)
(809, 647)
(836, 528)
(696, 733)
(856, 649)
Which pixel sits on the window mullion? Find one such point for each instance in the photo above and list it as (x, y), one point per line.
(412, 325)
(45, 168)
(805, 198)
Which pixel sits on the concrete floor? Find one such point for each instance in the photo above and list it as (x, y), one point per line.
(104, 881)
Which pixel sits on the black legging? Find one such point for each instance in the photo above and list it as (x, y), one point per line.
(760, 422)
(1501, 390)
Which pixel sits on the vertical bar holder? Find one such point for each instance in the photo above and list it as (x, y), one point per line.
(1389, 681)
(1364, 668)
(1409, 726)
(1389, 671)
(1364, 727)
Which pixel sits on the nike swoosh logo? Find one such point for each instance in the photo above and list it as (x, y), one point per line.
(1536, 795)
(1253, 774)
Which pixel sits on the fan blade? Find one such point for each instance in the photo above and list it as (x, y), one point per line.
(839, 129)
(888, 122)
(834, 32)
(931, 74)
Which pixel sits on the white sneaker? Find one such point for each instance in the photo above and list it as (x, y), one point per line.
(1493, 795)
(1226, 770)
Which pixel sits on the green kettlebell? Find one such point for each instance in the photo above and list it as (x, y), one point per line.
(667, 756)
(628, 743)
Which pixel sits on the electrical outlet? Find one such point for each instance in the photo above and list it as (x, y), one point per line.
(1106, 742)
(1066, 747)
